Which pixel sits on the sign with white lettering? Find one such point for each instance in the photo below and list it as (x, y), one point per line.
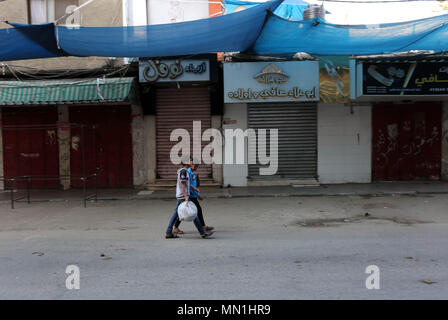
(174, 70)
(283, 81)
(404, 78)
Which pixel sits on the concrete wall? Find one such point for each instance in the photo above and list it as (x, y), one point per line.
(64, 146)
(151, 158)
(344, 143)
(235, 117)
(138, 146)
(445, 142)
(100, 13)
(217, 168)
(160, 12)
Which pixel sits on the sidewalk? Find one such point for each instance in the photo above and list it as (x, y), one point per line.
(368, 189)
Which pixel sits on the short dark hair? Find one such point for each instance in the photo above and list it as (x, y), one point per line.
(186, 159)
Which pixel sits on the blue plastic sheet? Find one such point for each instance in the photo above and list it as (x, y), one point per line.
(283, 37)
(289, 9)
(28, 42)
(233, 32)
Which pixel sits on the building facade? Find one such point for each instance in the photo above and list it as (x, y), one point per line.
(68, 118)
(392, 129)
(407, 98)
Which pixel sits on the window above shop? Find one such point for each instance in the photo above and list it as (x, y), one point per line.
(43, 11)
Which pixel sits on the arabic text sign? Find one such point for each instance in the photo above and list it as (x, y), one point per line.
(419, 78)
(284, 81)
(174, 70)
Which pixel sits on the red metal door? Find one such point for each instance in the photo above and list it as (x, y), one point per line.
(101, 142)
(177, 109)
(406, 142)
(30, 145)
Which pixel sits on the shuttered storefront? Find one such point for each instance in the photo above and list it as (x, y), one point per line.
(297, 138)
(177, 109)
(406, 141)
(30, 146)
(106, 145)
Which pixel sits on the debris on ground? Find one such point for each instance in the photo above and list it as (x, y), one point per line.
(428, 281)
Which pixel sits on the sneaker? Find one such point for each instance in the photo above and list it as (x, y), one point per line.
(206, 235)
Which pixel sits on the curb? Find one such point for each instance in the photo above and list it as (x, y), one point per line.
(239, 196)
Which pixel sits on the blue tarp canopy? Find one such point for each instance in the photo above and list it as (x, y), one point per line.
(235, 32)
(316, 37)
(28, 42)
(289, 9)
(255, 30)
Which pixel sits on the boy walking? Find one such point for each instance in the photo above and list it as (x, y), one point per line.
(195, 194)
(183, 194)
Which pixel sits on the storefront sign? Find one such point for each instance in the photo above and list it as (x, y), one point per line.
(174, 70)
(334, 75)
(419, 78)
(284, 81)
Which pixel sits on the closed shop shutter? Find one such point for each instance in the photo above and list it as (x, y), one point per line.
(406, 141)
(177, 109)
(30, 145)
(297, 138)
(102, 146)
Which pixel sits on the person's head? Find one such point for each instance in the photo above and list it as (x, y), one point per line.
(194, 164)
(187, 161)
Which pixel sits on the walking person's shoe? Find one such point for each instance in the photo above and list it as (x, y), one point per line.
(208, 228)
(206, 235)
(171, 236)
(177, 230)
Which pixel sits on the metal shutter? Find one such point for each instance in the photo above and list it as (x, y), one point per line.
(297, 130)
(178, 108)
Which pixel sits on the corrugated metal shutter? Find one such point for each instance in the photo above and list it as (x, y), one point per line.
(177, 109)
(297, 130)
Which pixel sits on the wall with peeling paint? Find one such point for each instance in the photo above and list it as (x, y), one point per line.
(64, 146)
(445, 142)
(151, 160)
(138, 146)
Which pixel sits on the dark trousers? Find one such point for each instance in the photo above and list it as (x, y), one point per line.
(200, 216)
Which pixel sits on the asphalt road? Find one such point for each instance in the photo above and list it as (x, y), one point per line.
(263, 248)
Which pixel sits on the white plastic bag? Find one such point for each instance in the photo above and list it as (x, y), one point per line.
(187, 211)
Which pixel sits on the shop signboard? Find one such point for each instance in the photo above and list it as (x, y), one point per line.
(405, 79)
(284, 81)
(174, 70)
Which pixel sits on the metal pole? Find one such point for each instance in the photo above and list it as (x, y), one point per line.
(12, 193)
(94, 147)
(85, 192)
(83, 151)
(28, 182)
(96, 187)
